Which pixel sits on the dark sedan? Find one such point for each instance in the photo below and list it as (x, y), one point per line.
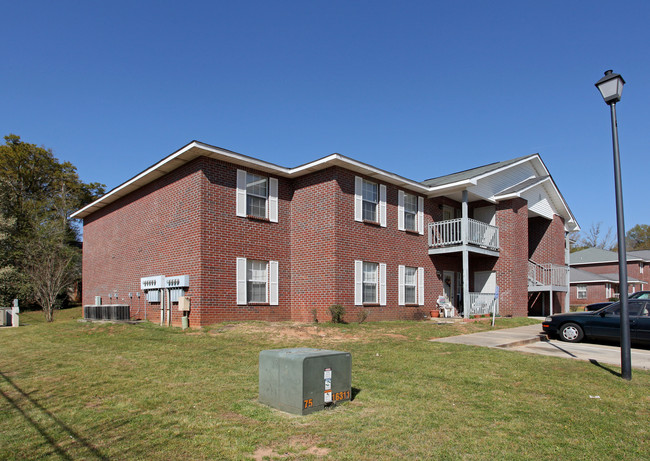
(603, 324)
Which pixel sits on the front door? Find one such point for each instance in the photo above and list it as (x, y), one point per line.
(448, 286)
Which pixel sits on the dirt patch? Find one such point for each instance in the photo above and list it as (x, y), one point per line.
(281, 332)
(395, 336)
(299, 446)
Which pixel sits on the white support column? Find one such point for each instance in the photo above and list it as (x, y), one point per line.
(463, 231)
(550, 301)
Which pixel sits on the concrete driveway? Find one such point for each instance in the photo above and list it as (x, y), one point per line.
(532, 339)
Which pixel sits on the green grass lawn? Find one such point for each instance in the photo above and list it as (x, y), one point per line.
(74, 390)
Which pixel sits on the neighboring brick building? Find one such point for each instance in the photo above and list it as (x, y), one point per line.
(258, 241)
(594, 274)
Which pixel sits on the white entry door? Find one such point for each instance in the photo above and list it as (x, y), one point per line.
(448, 286)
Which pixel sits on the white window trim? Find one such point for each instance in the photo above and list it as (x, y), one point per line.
(581, 289)
(272, 285)
(271, 200)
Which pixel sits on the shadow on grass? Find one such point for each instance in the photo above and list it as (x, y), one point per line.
(355, 391)
(43, 430)
(600, 365)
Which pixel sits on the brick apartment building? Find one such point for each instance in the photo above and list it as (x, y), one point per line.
(594, 275)
(247, 239)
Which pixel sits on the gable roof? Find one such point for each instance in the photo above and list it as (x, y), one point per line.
(598, 255)
(433, 187)
(642, 254)
(472, 172)
(582, 276)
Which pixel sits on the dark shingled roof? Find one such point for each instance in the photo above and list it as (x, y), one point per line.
(468, 174)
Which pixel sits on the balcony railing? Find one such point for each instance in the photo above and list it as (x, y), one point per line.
(450, 233)
(483, 303)
(546, 274)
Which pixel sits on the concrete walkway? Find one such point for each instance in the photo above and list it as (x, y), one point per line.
(532, 339)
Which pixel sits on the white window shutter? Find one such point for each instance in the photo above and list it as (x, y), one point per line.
(421, 286)
(241, 281)
(400, 294)
(241, 193)
(358, 283)
(382, 284)
(400, 210)
(358, 198)
(273, 283)
(273, 199)
(421, 215)
(382, 205)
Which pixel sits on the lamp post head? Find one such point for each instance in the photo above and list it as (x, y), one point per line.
(611, 87)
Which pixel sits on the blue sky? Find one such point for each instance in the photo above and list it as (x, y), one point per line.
(419, 88)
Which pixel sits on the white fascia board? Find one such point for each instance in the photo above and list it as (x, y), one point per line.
(186, 154)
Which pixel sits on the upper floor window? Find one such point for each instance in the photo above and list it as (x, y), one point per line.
(257, 196)
(410, 212)
(641, 267)
(369, 201)
(370, 195)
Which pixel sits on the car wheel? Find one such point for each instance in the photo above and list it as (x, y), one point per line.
(571, 332)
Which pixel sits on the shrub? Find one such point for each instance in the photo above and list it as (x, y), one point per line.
(337, 312)
(362, 315)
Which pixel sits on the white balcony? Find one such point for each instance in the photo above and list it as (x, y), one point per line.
(454, 234)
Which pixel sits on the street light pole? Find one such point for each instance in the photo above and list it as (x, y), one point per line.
(611, 87)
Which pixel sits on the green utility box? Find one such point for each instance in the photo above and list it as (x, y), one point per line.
(304, 380)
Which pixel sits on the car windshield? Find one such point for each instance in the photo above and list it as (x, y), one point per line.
(634, 307)
(641, 295)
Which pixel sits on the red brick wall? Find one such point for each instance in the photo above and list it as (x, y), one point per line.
(313, 245)
(226, 237)
(369, 242)
(546, 242)
(186, 223)
(512, 266)
(152, 231)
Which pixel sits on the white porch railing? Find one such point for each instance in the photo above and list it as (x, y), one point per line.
(546, 274)
(483, 303)
(449, 233)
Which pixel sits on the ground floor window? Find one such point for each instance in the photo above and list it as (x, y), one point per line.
(370, 283)
(411, 285)
(257, 281)
(582, 291)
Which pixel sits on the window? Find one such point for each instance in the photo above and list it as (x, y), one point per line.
(411, 285)
(256, 277)
(641, 268)
(257, 196)
(410, 211)
(582, 292)
(369, 201)
(369, 283)
(257, 282)
(370, 197)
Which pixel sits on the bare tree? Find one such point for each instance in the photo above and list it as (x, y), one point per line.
(50, 267)
(593, 238)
